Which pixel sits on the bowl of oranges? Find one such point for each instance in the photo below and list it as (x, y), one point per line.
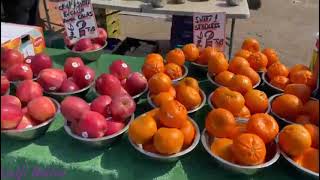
(299, 145)
(241, 145)
(186, 91)
(198, 59)
(165, 133)
(252, 102)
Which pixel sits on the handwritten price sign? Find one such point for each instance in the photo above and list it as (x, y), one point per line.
(209, 30)
(78, 19)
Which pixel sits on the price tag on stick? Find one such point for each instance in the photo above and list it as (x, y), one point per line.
(78, 19)
(209, 30)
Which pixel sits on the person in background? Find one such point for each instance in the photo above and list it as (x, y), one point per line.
(21, 11)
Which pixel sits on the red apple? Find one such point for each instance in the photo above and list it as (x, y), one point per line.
(84, 44)
(123, 92)
(26, 122)
(122, 106)
(10, 57)
(10, 116)
(92, 125)
(136, 83)
(25, 110)
(102, 105)
(83, 76)
(39, 62)
(51, 79)
(41, 108)
(28, 90)
(10, 100)
(120, 69)
(114, 126)
(5, 85)
(72, 108)
(75, 128)
(71, 64)
(68, 85)
(19, 72)
(107, 84)
(102, 37)
(96, 46)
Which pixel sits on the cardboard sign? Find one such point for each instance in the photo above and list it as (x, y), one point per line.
(209, 30)
(78, 19)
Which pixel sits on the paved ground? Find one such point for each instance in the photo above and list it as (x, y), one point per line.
(288, 26)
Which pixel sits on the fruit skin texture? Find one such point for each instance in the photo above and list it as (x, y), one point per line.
(303, 119)
(11, 115)
(162, 97)
(258, 61)
(190, 81)
(26, 122)
(188, 96)
(28, 90)
(19, 72)
(83, 76)
(256, 101)
(240, 83)
(41, 108)
(84, 44)
(263, 125)
(4, 85)
(224, 78)
(237, 63)
(119, 69)
(188, 132)
(71, 64)
(173, 114)
(191, 52)
(51, 79)
(142, 129)
(101, 105)
(294, 139)
(206, 54)
(122, 106)
(239, 129)
(39, 62)
(222, 148)
(302, 91)
(220, 123)
(271, 55)
(248, 149)
(309, 159)
(279, 82)
(159, 82)
(168, 140)
(153, 64)
(297, 67)
(68, 85)
(301, 77)
(277, 69)
(135, 83)
(314, 133)
(176, 56)
(287, 106)
(73, 107)
(108, 84)
(173, 70)
(251, 45)
(243, 53)
(227, 99)
(10, 57)
(244, 113)
(102, 37)
(92, 125)
(218, 63)
(114, 126)
(312, 109)
(11, 100)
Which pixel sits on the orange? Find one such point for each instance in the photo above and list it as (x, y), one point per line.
(294, 139)
(191, 52)
(301, 77)
(223, 78)
(173, 114)
(287, 106)
(303, 119)
(176, 56)
(250, 73)
(220, 123)
(206, 54)
(297, 67)
(271, 55)
(153, 64)
(239, 129)
(168, 140)
(279, 82)
(142, 129)
(237, 63)
(258, 61)
(277, 69)
(227, 99)
(173, 70)
(162, 97)
(188, 132)
(243, 53)
(222, 148)
(256, 101)
(309, 159)
(189, 81)
(302, 91)
(244, 113)
(172, 91)
(149, 147)
(218, 63)
(312, 109)
(159, 82)
(251, 45)
(188, 96)
(263, 125)
(314, 133)
(248, 149)
(240, 83)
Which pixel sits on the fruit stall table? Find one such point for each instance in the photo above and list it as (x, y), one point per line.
(57, 156)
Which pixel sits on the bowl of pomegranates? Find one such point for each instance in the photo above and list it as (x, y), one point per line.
(27, 116)
(99, 123)
(89, 49)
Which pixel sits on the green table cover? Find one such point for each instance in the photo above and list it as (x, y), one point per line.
(57, 156)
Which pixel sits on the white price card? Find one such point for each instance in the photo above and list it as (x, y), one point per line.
(209, 30)
(78, 19)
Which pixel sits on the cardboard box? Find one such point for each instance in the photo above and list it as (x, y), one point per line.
(27, 39)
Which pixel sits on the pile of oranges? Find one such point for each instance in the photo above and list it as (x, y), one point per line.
(166, 130)
(301, 144)
(243, 143)
(254, 101)
(187, 91)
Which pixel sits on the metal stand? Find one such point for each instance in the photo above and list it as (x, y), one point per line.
(47, 15)
(233, 21)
